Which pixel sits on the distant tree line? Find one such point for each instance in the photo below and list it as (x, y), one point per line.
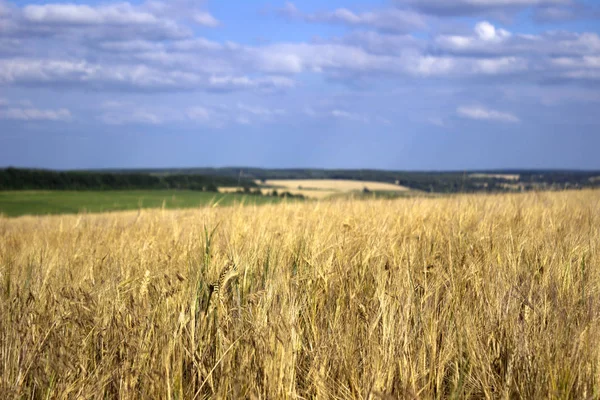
(211, 178)
(430, 181)
(274, 193)
(35, 179)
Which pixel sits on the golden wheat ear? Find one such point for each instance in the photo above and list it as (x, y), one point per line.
(228, 272)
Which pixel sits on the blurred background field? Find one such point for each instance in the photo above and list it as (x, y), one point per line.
(15, 203)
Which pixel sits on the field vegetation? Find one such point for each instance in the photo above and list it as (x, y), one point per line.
(16, 203)
(468, 296)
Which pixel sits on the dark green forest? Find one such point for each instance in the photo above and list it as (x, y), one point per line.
(36, 179)
(430, 181)
(209, 179)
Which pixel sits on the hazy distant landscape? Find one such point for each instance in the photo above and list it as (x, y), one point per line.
(25, 191)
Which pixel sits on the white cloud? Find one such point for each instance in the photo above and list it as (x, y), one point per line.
(242, 114)
(388, 20)
(206, 19)
(122, 21)
(135, 117)
(495, 66)
(24, 110)
(227, 82)
(309, 111)
(142, 61)
(198, 113)
(485, 39)
(137, 77)
(383, 121)
(579, 62)
(294, 58)
(488, 32)
(196, 44)
(214, 117)
(4, 10)
(118, 14)
(290, 10)
(550, 56)
(131, 46)
(260, 111)
(469, 7)
(115, 104)
(482, 113)
(383, 43)
(35, 114)
(430, 65)
(436, 121)
(242, 120)
(342, 114)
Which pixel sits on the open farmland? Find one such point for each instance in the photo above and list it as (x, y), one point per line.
(469, 296)
(313, 194)
(15, 203)
(506, 177)
(321, 188)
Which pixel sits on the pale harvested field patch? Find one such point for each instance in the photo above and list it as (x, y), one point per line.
(334, 185)
(508, 177)
(236, 189)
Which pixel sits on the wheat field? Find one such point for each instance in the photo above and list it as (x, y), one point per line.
(468, 296)
(337, 185)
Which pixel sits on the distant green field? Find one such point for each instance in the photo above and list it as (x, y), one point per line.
(16, 203)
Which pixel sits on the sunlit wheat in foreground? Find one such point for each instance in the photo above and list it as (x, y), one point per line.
(459, 297)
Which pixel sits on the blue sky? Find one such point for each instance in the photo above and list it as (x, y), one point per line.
(403, 84)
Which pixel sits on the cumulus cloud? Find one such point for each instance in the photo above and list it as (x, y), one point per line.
(25, 111)
(488, 32)
(116, 14)
(227, 83)
(547, 57)
(200, 114)
(206, 19)
(345, 115)
(261, 111)
(138, 116)
(486, 38)
(548, 45)
(342, 114)
(211, 116)
(470, 7)
(573, 11)
(117, 20)
(382, 43)
(386, 20)
(483, 113)
(157, 63)
(80, 73)
(436, 121)
(295, 58)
